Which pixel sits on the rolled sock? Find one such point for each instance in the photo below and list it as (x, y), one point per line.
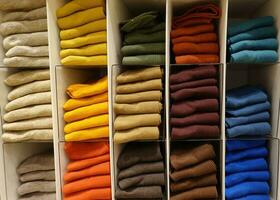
(235, 145)
(258, 152)
(249, 110)
(254, 118)
(247, 176)
(262, 128)
(258, 164)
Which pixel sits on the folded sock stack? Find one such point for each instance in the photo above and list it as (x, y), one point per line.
(193, 172)
(247, 171)
(37, 177)
(138, 105)
(195, 104)
(144, 40)
(194, 37)
(141, 172)
(253, 41)
(87, 111)
(29, 111)
(83, 32)
(247, 112)
(24, 31)
(88, 172)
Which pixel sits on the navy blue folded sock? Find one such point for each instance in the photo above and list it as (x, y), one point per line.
(254, 57)
(236, 145)
(240, 177)
(249, 110)
(254, 129)
(258, 164)
(259, 117)
(255, 197)
(257, 152)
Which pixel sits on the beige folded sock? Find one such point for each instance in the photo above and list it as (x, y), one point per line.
(38, 175)
(124, 122)
(35, 135)
(154, 95)
(39, 13)
(20, 61)
(141, 86)
(147, 107)
(30, 124)
(36, 186)
(7, 5)
(39, 195)
(39, 51)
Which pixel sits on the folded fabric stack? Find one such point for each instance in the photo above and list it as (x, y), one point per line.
(138, 105)
(195, 105)
(194, 36)
(24, 31)
(247, 112)
(83, 33)
(29, 111)
(144, 40)
(88, 172)
(37, 177)
(253, 41)
(141, 172)
(194, 172)
(247, 170)
(87, 111)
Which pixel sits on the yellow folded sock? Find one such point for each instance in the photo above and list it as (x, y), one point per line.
(95, 26)
(72, 104)
(88, 134)
(77, 5)
(81, 18)
(86, 90)
(90, 50)
(96, 61)
(91, 122)
(87, 111)
(92, 38)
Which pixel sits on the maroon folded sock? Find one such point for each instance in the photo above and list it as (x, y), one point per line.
(194, 73)
(199, 93)
(199, 118)
(195, 131)
(190, 107)
(193, 84)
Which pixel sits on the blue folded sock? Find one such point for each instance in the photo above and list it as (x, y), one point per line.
(249, 110)
(259, 117)
(245, 96)
(258, 164)
(236, 178)
(237, 145)
(254, 197)
(254, 57)
(257, 152)
(247, 188)
(264, 44)
(255, 34)
(253, 129)
(250, 24)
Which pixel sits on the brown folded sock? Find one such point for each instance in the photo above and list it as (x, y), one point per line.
(142, 86)
(155, 179)
(204, 168)
(189, 107)
(153, 95)
(187, 184)
(195, 48)
(141, 168)
(200, 92)
(195, 119)
(144, 192)
(195, 73)
(195, 131)
(139, 152)
(193, 84)
(184, 157)
(198, 193)
(146, 107)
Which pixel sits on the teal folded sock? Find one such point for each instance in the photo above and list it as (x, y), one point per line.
(139, 38)
(254, 57)
(143, 49)
(144, 60)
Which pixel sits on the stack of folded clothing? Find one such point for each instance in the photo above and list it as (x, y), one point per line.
(141, 172)
(144, 40)
(194, 37)
(29, 111)
(88, 172)
(24, 31)
(138, 107)
(193, 172)
(195, 105)
(247, 112)
(83, 32)
(87, 111)
(37, 177)
(253, 41)
(247, 171)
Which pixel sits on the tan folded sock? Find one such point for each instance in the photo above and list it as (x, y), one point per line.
(39, 13)
(38, 175)
(36, 186)
(9, 5)
(21, 61)
(138, 108)
(154, 95)
(29, 135)
(28, 51)
(142, 86)
(30, 124)
(39, 195)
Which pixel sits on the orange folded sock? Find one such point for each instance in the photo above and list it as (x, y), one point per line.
(192, 30)
(193, 48)
(95, 170)
(84, 150)
(86, 184)
(200, 38)
(85, 163)
(93, 194)
(199, 58)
